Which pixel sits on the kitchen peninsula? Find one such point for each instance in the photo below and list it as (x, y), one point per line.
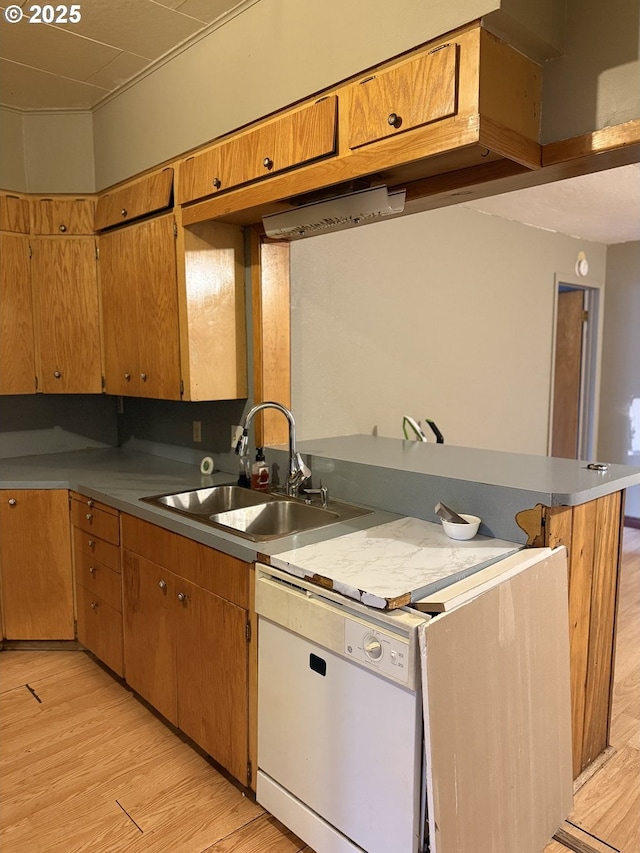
(521, 499)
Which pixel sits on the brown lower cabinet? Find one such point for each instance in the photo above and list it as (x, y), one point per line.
(186, 638)
(35, 565)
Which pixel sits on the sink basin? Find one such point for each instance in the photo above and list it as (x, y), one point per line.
(278, 518)
(206, 502)
(254, 515)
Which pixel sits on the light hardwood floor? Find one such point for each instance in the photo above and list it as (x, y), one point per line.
(86, 768)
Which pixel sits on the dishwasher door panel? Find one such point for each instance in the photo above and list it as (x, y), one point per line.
(340, 738)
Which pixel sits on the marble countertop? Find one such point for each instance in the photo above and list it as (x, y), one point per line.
(393, 564)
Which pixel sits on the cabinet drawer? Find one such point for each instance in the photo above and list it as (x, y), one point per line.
(92, 519)
(298, 137)
(150, 194)
(100, 629)
(99, 580)
(404, 97)
(62, 216)
(14, 214)
(97, 549)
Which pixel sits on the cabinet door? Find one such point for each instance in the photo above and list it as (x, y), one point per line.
(62, 216)
(495, 674)
(35, 561)
(213, 676)
(138, 198)
(14, 213)
(65, 296)
(17, 359)
(139, 296)
(149, 600)
(406, 96)
(100, 628)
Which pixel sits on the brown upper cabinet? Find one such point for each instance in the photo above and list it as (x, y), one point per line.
(150, 194)
(62, 216)
(17, 354)
(404, 97)
(301, 136)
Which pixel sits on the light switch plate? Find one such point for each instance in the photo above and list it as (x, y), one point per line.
(236, 435)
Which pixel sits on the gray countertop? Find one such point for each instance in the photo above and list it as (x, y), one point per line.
(120, 477)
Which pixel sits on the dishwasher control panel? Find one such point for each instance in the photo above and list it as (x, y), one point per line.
(382, 651)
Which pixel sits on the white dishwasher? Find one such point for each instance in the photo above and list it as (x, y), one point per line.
(339, 718)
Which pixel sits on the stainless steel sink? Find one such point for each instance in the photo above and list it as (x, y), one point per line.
(254, 515)
(278, 518)
(206, 502)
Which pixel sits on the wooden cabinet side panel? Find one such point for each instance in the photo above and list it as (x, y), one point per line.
(215, 323)
(149, 597)
(270, 283)
(35, 560)
(65, 297)
(601, 651)
(17, 355)
(213, 677)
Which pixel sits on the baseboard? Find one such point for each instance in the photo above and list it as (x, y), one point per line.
(607, 753)
(632, 521)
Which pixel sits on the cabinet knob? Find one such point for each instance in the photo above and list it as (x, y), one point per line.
(123, 212)
(91, 543)
(143, 376)
(162, 584)
(12, 502)
(94, 605)
(62, 228)
(89, 502)
(394, 120)
(127, 376)
(92, 570)
(89, 516)
(57, 374)
(217, 183)
(182, 597)
(267, 163)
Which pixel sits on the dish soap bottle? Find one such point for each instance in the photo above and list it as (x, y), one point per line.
(260, 472)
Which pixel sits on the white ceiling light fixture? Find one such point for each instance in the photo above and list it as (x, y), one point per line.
(334, 214)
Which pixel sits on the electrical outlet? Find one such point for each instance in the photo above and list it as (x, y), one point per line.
(236, 435)
(197, 431)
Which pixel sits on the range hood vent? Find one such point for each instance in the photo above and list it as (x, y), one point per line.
(334, 213)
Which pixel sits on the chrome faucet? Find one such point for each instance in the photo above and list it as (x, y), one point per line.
(298, 471)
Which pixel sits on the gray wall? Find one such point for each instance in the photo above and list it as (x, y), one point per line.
(619, 433)
(447, 314)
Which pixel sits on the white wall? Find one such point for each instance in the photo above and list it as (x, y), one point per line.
(446, 314)
(621, 363)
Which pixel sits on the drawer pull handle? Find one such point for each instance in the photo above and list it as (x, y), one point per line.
(89, 516)
(92, 570)
(91, 543)
(267, 163)
(127, 376)
(57, 374)
(394, 120)
(182, 597)
(162, 585)
(94, 605)
(12, 501)
(62, 228)
(123, 212)
(217, 183)
(143, 376)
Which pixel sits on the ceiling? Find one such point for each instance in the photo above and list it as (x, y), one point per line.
(74, 66)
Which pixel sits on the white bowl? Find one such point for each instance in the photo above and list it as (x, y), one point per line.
(462, 531)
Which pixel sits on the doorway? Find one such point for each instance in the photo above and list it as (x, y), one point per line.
(575, 371)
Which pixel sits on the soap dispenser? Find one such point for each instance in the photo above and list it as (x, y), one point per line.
(260, 472)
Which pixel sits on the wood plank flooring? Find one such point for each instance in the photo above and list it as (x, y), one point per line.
(87, 768)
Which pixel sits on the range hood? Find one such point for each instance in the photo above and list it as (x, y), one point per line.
(334, 214)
